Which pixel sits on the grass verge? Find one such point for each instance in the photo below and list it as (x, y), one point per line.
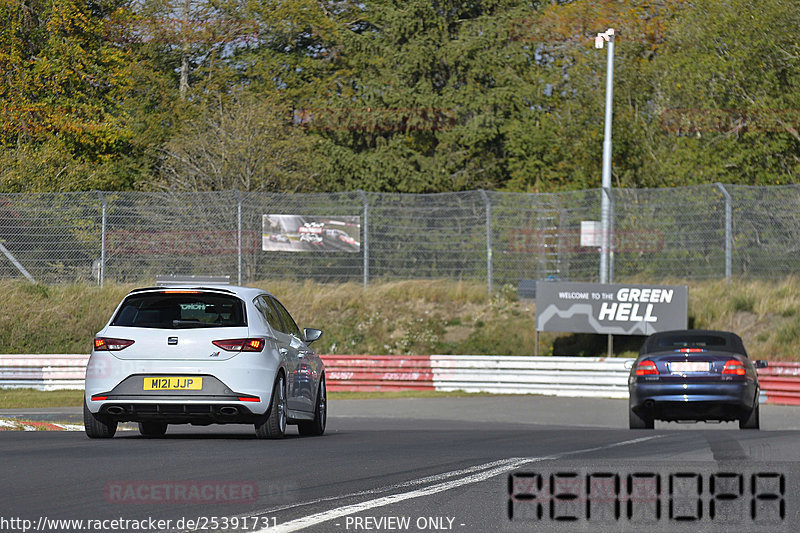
(32, 398)
(419, 317)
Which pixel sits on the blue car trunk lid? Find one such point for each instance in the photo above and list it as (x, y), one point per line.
(697, 365)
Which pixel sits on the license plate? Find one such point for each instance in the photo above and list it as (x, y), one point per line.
(689, 366)
(173, 383)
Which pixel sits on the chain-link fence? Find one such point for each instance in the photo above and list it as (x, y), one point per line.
(699, 232)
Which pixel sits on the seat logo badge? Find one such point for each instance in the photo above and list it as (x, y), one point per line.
(172, 341)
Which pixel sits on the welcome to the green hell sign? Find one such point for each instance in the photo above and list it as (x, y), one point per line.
(610, 309)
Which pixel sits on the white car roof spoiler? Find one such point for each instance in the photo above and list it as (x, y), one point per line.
(170, 279)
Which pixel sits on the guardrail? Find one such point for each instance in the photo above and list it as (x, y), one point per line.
(43, 372)
(554, 376)
(781, 383)
(378, 372)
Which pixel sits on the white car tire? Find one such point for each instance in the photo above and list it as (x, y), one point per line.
(98, 426)
(317, 426)
(274, 426)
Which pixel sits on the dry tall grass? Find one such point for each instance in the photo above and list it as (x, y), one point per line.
(409, 317)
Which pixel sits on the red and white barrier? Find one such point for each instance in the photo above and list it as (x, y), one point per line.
(781, 383)
(43, 372)
(557, 376)
(378, 372)
(553, 376)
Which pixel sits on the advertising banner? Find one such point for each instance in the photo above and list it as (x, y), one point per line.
(306, 233)
(610, 309)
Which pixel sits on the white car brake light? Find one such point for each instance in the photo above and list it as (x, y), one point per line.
(102, 344)
(241, 345)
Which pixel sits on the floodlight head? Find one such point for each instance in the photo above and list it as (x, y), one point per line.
(606, 36)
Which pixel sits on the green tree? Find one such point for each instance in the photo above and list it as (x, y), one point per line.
(61, 76)
(206, 59)
(245, 143)
(557, 143)
(61, 85)
(408, 96)
(423, 96)
(727, 100)
(295, 48)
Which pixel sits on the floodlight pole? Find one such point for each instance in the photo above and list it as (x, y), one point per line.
(605, 220)
(605, 224)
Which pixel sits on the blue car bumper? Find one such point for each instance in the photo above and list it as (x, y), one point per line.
(693, 401)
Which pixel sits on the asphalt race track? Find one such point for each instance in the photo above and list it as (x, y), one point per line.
(508, 463)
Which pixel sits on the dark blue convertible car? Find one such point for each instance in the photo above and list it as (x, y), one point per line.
(694, 375)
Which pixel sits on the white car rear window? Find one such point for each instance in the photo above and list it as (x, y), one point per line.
(181, 310)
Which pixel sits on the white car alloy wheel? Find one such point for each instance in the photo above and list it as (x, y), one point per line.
(281, 406)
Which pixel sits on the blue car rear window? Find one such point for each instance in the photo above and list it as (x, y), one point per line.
(698, 341)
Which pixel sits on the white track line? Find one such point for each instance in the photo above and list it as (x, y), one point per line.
(485, 471)
(387, 488)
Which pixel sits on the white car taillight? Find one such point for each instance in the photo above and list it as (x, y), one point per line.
(241, 345)
(111, 345)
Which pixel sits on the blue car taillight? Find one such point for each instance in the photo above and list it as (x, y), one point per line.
(735, 367)
(646, 368)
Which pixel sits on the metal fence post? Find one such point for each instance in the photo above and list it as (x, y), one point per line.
(102, 239)
(239, 234)
(365, 244)
(488, 204)
(728, 231)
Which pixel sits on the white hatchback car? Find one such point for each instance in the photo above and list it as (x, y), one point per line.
(204, 354)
